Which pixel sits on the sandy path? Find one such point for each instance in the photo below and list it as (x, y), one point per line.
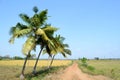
(74, 73)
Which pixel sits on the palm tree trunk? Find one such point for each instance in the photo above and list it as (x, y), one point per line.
(23, 69)
(52, 60)
(49, 61)
(34, 69)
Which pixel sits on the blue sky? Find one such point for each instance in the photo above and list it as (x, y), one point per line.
(91, 27)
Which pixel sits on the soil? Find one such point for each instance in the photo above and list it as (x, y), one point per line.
(73, 72)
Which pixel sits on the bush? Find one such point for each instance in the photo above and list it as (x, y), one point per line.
(84, 62)
(91, 68)
(96, 58)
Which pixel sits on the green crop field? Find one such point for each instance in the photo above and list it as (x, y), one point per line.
(110, 68)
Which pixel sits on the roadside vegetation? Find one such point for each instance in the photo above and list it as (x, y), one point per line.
(110, 68)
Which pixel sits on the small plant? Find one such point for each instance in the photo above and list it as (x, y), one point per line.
(112, 73)
(91, 68)
(84, 62)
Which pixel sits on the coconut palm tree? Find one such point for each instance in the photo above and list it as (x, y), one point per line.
(21, 30)
(36, 31)
(45, 41)
(60, 47)
(27, 47)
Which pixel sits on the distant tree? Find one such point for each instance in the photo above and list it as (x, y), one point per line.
(6, 57)
(0, 57)
(84, 61)
(96, 58)
(79, 58)
(18, 58)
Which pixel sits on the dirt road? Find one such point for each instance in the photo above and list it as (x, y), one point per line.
(74, 73)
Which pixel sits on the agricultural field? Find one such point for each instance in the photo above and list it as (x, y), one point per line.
(11, 69)
(30, 63)
(110, 68)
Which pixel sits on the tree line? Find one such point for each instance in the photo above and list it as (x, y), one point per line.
(7, 57)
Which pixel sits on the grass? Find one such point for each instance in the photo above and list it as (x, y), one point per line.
(110, 68)
(11, 69)
(43, 72)
(9, 73)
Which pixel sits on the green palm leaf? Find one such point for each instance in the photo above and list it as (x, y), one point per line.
(67, 51)
(23, 32)
(18, 33)
(41, 33)
(49, 30)
(28, 45)
(25, 18)
(43, 16)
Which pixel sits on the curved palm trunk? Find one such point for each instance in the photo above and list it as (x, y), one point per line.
(34, 69)
(23, 69)
(51, 61)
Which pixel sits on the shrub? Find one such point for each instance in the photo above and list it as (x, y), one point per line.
(91, 68)
(84, 62)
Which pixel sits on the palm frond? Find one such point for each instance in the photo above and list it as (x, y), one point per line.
(64, 55)
(60, 38)
(25, 18)
(12, 40)
(15, 29)
(19, 31)
(49, 30)
(43, 16)
(66, 45)
(61, 46)
(12, 30)
(23, 32)
(35, 21)
(44, 51)
(50, 49)
(41, 33)
(28, 45)
(67, 51)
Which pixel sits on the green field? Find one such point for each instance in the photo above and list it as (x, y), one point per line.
(110, 68)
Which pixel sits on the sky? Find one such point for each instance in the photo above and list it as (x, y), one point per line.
(91, 27)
